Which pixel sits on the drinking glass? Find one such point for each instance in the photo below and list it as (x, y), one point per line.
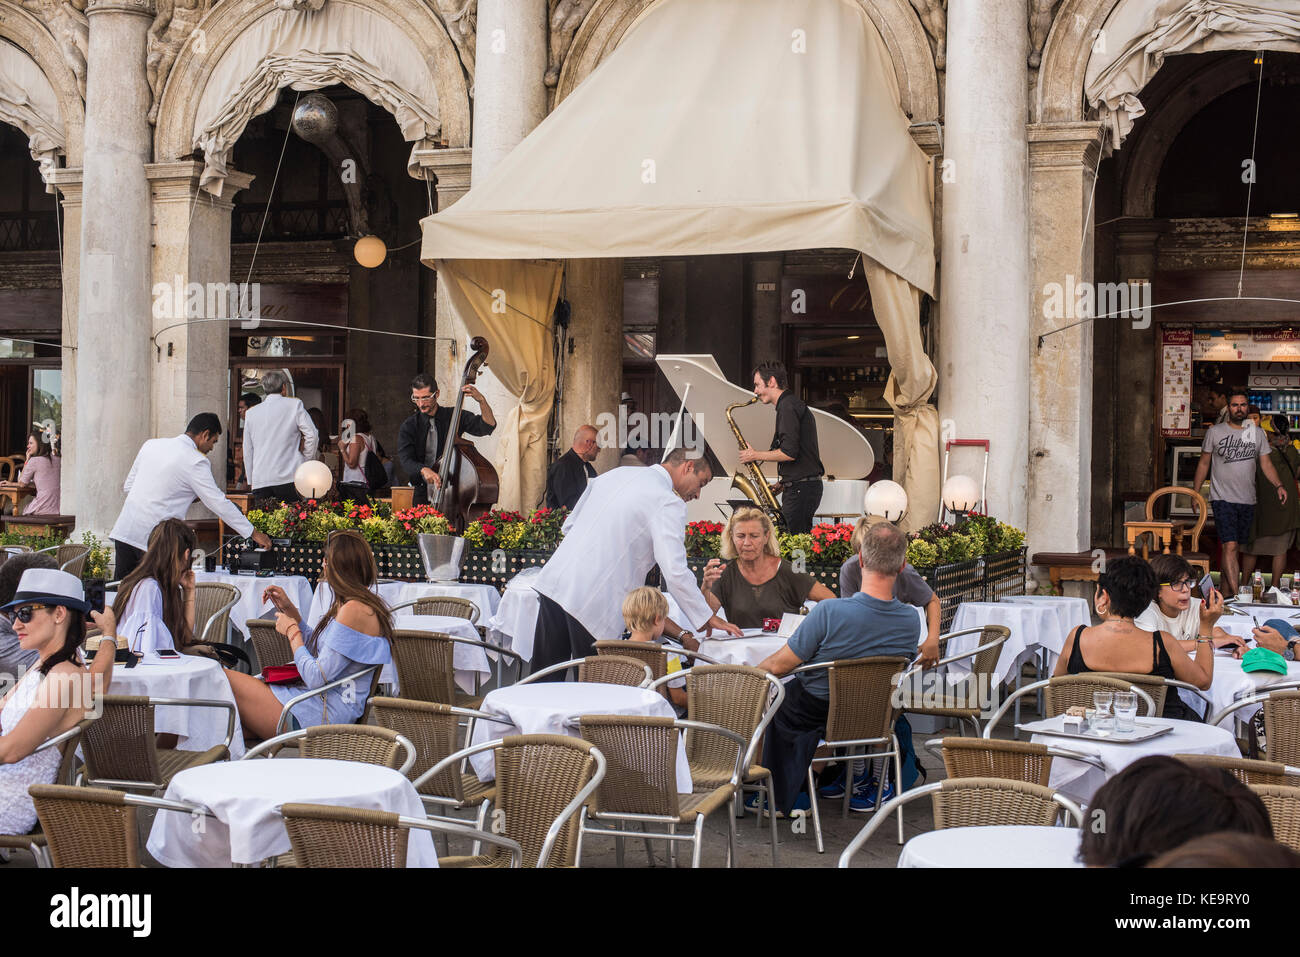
(1105, 720)
(1125, 710)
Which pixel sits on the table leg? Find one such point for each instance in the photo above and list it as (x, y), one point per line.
(1020, 677)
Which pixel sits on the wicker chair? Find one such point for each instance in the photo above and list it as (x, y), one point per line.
(542, 781)
(94, 827)
(859, 722)
(962, 701)
(652, 654)
(34, 841)
(70, 557)
(1066, 691)
(1280, 704)
(329, 836)
(742, 700)
(601, 669)
(444, 605)
(426, 666)
(1153, 685)
(269, 646)
(365, 744)
(1283, 805)
(988, 758)
(641, 783)
(212, 604)
(975, 802)
(121, 752)
(1246, 770)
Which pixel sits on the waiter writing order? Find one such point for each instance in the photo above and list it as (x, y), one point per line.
(627, 520)
(165, 479)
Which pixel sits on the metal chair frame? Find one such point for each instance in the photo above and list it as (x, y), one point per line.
(280, 740)
(54, 549)
(137, 800)
(695, 839)
(915, 667)
(113, 783)
(1259, 697)
(575, 662)
(39, 852)
(935, 747)
(1033, 688)
(1069, 807)
(372, 670)
(565, 815)
(494, 651)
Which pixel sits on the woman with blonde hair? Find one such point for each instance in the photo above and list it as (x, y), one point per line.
(353, 635)
(758, 583)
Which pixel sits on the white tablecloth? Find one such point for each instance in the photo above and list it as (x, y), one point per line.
(1231, 683)
(1033, 626)
(467, 660)
(190, 676)
(1079, 781)
(548, 707)
(324, 596)
(486, 597)
(741, 651)
(1002, 845)
(514, 622)
(244, 796)
(251, 590)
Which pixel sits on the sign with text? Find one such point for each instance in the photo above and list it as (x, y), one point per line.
(1176, 385)
(1274, 375)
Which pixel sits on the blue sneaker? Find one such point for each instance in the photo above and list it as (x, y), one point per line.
(836, 788)
(752, 803)
(865, 799)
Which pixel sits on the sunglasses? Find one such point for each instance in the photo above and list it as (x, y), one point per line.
(24, 613)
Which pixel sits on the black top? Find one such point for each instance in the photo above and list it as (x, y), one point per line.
(567, 479)
(1161, 665)
(413, 437)
(796, 436)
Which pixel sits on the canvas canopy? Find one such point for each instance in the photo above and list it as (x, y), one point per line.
(722, 127)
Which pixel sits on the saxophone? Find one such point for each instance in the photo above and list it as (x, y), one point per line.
(753, 485)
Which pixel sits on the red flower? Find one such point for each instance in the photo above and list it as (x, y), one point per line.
(302, 514)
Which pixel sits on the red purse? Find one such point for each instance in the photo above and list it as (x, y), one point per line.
(281, 674)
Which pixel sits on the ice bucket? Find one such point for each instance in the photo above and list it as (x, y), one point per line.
(441, 555)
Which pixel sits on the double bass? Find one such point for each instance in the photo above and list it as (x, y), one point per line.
(469, 484)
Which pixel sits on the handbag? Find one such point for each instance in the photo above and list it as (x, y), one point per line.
(281, 674)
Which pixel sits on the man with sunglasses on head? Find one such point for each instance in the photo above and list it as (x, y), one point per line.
(422, 438)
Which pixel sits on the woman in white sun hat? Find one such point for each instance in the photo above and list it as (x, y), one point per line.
(49, 615)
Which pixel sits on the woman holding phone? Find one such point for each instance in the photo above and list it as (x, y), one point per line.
(1179, 609)
(155, 603)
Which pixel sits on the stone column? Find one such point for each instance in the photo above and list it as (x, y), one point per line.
(451, 169)
(1062, 162)
(595, 368)
(68, 183)
(984, 337)
(192, 281)
(114, 354)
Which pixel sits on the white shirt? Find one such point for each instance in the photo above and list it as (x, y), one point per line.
(272, 430)
(358, 474)
(165, 479)
(1186, 625)
(627, 520)
(142, 622)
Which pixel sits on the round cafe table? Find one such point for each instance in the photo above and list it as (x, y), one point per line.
(749, 650)
(1001, 845)
(1079, 781)
(243, 796)
(553, 708)
(189, 676)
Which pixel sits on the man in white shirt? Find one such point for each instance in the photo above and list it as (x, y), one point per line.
(627, 521)
(274, 433)
(165, 479)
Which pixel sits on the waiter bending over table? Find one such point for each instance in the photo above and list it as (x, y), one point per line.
(628, 520)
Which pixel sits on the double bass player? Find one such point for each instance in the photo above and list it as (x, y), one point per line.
(423, 436)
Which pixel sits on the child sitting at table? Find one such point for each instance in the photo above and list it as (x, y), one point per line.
(645, 612)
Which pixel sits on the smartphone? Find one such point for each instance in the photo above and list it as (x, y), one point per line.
(1207, 586)
(168, 653)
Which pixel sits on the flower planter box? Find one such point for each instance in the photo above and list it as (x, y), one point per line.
(497, 567)
(981, 579)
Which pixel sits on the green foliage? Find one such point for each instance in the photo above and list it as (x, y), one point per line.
(97, 561)
(973, 538)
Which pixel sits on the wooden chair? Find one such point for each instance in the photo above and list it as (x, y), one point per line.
(1195, 557)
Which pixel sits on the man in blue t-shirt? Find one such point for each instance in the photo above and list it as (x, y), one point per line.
(871, 623)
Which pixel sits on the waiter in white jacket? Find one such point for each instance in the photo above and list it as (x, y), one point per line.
(628, 520)
(275, 430)
(165, 479)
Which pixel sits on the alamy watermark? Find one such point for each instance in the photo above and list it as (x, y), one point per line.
(211, 300)
(1103, 300)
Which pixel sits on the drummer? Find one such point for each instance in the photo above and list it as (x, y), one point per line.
(758, 583)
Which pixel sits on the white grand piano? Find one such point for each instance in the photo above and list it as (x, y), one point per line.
(705, 392)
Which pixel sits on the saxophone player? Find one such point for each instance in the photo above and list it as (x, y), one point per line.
(794, 448)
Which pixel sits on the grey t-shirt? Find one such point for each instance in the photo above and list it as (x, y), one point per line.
(909, 587)
(1232, 468)
(856, 627)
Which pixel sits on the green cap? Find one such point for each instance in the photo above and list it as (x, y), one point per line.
(1261, 659)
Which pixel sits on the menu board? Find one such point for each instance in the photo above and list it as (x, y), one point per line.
(1258, 345)
(1274, 375)
(1176, 388)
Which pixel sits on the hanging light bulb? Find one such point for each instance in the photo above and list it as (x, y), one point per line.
(370, 251)
(1259, 58)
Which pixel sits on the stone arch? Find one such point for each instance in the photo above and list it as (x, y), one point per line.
(26, 31)
(1065, 60)
(905, 38)
(223, 25)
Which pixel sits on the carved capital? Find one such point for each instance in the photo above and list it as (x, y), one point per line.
(566, 17)
(144, 8)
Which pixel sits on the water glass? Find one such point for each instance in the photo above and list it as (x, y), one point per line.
(1245, 594)
(1125, 710)
(1105, 720)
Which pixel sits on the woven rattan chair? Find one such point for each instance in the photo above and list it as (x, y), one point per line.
(363, 743)
(426, 666)
(120, 748)
(988, 758)
(1066, 691)
(1283, 805)
(742, 700)
(328, 836)
(975, 802)
(641, 783)
(269, 646)
(652, 654)
(601, 669)
(444, 605)
(70, 557)
(1280, 704)
(542, 781)
(94, 827)
(34, 841)
(1247, 771)
(1154, 685)
(212, 604)
(936, 697)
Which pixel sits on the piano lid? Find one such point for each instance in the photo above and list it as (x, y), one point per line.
(845, 451)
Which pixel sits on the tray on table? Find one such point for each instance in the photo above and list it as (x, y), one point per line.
(1142, 731)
